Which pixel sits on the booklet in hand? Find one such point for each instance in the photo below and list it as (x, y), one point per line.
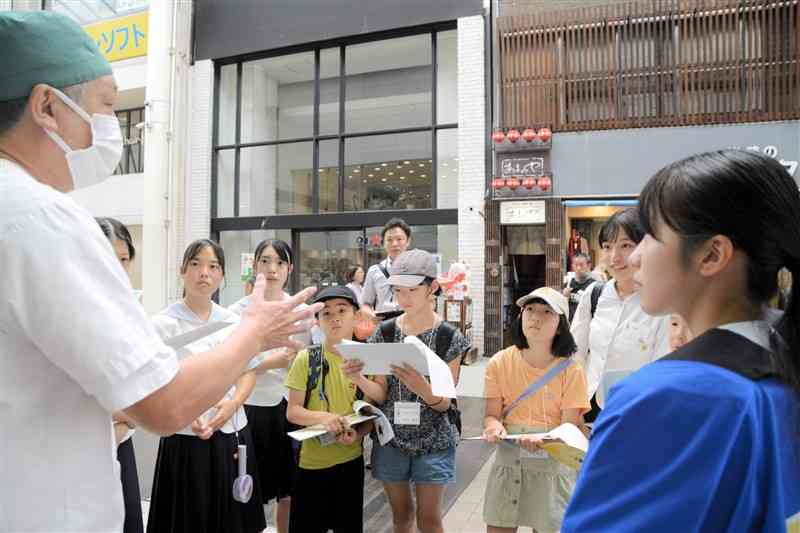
(362, 412)
(566, 444)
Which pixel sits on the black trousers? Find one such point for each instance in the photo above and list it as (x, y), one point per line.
(331, 498)
(130, 488)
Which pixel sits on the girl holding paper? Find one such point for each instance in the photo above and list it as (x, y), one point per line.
(425, 426)
(532, 387)
(196, 468)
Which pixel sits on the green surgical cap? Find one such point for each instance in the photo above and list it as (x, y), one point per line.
(45, 47)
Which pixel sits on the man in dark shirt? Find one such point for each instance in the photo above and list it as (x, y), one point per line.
(574, 289)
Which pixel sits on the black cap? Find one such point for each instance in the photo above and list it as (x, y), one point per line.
(337, 291)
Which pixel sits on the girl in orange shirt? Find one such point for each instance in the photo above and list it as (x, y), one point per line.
(526, 487)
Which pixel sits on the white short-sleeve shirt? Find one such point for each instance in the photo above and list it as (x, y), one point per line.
(377, 292)
(75, 345)
(619, 340)
(178, 319)
(270, 387)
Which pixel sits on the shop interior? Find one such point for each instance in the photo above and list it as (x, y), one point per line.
(523, 258)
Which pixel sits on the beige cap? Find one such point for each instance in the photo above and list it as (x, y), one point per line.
(552, 297)
(411, 268)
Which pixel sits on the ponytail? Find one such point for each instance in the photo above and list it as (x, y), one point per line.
(788, 327)
(751, 199)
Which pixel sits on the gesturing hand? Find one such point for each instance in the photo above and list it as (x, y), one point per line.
(276, 322)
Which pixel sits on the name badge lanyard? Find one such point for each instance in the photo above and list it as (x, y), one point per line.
(430, 343)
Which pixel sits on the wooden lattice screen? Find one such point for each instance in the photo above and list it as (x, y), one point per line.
(649, 64)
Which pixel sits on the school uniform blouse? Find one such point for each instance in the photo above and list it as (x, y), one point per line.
(270, 387)
(178, 319)
(705, 439)
(620, 339)
(75, 346)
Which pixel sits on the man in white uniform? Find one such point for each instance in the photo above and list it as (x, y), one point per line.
(74, 343)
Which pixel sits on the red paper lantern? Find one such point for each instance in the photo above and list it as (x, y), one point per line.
(498, 183)
(529, 135)
(498, 136)
(513, 135)
(545, 134)
(512, 183)
(529, 182)
(545, 183)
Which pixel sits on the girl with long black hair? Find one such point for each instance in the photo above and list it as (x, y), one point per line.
(196, 469)
(708, 437)
(266, 406)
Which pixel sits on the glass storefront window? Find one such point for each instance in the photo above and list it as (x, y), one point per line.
(388, 87)
(276, 179)
(278, 98)
(440, 240)
(329, 70)
(447, 77)
(447, 169)
(388, 172)
(131, 161)
(226, 118)
(238, 247)
(328, 176)
(294, 178)
(325, 257)
(388, 84)
(225, 182)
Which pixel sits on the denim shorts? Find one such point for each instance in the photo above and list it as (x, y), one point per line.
(391, 465)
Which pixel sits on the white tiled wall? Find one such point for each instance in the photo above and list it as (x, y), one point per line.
(472, 161)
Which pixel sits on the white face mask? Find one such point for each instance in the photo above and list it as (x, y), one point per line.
(96, 163)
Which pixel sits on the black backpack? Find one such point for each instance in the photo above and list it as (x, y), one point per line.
(318, 366)
(444, 336)
(597, 289)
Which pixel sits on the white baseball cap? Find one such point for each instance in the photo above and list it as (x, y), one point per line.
(551, 297)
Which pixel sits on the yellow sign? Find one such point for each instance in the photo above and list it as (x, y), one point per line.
(121, 38)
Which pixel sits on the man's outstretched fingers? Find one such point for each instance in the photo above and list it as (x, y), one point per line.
(300, 297)
(259, 288)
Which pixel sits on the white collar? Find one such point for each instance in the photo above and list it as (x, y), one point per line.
(756, 331)
(181, 311)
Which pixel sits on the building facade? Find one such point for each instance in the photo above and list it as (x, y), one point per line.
(625, 88)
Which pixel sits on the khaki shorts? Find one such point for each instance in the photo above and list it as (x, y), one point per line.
(527, 490)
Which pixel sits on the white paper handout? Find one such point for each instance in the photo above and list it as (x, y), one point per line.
(362, 412)
(179, 341)
(378, 358)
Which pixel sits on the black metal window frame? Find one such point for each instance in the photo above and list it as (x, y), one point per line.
(341, 219)
(129, 164)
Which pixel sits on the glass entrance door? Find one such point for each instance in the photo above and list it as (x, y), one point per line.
(325, 256)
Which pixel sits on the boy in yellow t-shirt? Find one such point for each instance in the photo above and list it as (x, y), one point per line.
(329, 486)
